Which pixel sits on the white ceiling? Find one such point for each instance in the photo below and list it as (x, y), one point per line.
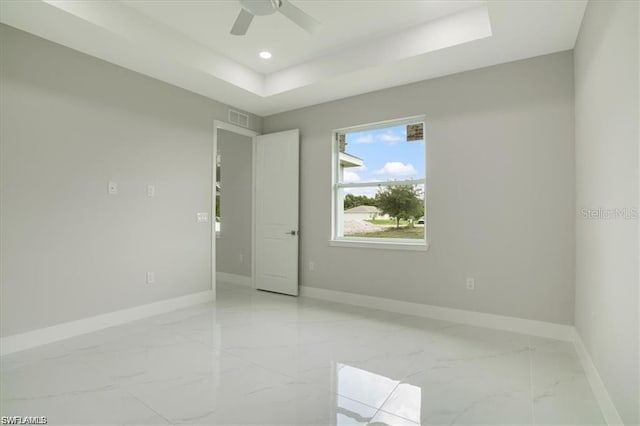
(364, 45)
(344, 22)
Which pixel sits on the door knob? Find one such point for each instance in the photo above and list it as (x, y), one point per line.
(292, 233)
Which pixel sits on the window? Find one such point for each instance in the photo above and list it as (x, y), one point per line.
(379, 185)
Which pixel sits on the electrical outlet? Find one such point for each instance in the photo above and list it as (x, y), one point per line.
(151, 191)
(471, 283)
(312, 266)
(151, 277)
(202, 217)
(241, 258)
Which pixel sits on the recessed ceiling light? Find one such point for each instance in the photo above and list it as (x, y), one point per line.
(265, 54)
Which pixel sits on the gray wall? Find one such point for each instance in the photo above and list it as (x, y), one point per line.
(606, 86)
(69, 124)
(235, 204)
(500, 191)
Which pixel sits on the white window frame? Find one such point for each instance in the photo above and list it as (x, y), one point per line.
(337, 207)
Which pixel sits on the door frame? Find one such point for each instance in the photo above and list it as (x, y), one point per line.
(223, 125)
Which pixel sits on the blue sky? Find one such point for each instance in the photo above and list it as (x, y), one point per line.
(387, 155)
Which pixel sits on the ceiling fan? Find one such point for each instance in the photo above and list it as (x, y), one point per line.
(251, 8)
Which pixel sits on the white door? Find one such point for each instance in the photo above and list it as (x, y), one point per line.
(276, 186)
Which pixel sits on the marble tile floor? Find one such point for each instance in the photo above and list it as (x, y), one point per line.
(260, 358)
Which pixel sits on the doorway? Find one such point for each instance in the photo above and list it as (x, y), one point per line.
(255, 209)
(232, 206)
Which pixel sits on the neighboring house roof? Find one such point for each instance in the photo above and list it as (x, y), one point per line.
(348, 160)
(363, 209)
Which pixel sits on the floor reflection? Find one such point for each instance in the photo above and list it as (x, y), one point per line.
(355, 384)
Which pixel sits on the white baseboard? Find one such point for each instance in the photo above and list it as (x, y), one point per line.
(241, 280)
(500, 322)
(609, 411)
(42, 336)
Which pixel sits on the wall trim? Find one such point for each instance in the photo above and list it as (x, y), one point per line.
(236, 279)
(500, 322)
(42, 336)
(608, 408)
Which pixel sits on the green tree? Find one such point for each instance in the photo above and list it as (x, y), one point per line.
(400, 202)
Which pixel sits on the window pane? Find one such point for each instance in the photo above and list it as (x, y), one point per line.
(382, 212)
(388, 154)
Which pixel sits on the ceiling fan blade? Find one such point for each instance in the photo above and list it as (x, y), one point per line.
(300, 18)
(242, 23)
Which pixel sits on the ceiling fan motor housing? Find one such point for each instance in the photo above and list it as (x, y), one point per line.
(261, 7)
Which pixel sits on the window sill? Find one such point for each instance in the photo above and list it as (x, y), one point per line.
(385, 245)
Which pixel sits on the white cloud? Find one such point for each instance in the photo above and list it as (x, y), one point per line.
(366, 138)
(390, 137)
(396, 168)
(350, 177)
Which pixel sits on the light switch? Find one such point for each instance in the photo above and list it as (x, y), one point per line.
(113, 188)
(151, 191)
(203, 217)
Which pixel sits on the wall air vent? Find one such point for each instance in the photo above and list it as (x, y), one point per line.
(238, 118)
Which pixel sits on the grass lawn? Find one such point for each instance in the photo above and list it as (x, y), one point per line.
(402, 232)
